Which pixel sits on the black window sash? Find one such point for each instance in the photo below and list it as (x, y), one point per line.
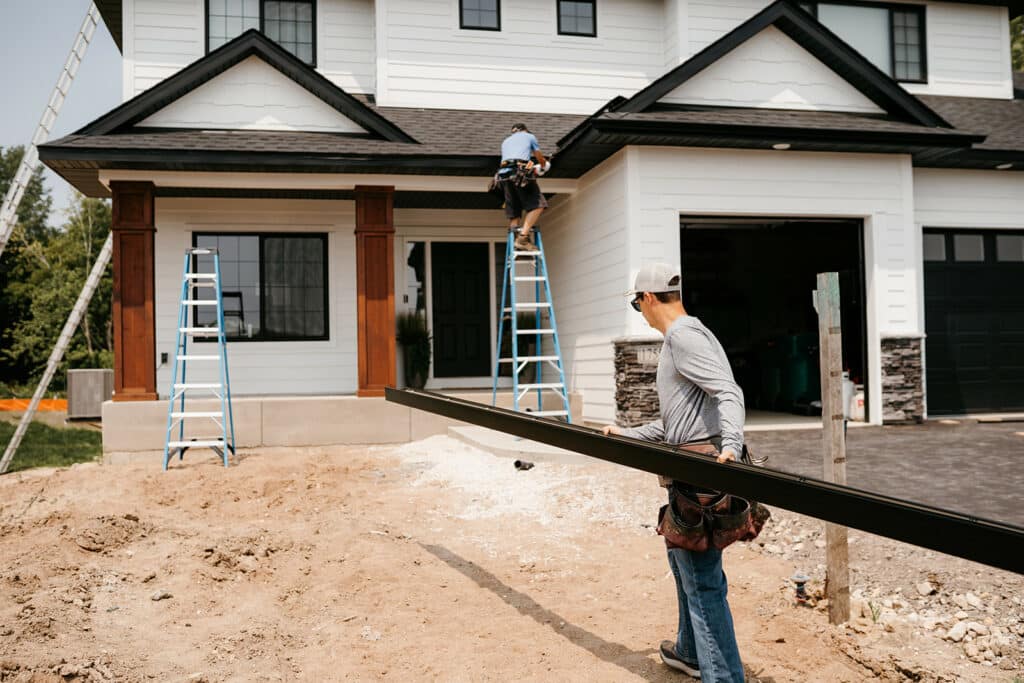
(261, 236)
(593, 15)
(312, 4)
(473, 27)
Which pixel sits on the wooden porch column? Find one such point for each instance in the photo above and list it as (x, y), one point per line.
(133, 228)
(375, 288)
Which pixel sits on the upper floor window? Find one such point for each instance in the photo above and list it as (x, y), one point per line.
(577, 17)
(480, 14)
(289, 23)
(891, 37)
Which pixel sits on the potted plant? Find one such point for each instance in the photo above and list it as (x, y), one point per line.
(414, 338)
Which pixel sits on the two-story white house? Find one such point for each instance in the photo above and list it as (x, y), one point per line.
(337, 151)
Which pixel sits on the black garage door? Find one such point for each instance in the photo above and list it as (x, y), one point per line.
(974, 318)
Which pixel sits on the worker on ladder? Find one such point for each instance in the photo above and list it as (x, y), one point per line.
(521, 163)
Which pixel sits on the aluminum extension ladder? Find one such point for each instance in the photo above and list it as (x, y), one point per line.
(543, 309)
(191, 302)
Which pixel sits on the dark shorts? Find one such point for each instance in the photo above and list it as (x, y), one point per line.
(520, 199)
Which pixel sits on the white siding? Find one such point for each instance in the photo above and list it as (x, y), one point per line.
(876, 188)
(346, 45)
(771, 70)
(426, 60)
(160, 37)
(968, 51)
(252, 95)
(709, 20)
(948, 198)
(587, 248)
(321, 367)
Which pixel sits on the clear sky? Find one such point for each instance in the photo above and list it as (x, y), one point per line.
(35, 39)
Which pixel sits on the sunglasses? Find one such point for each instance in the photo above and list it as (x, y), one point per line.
(635, 303)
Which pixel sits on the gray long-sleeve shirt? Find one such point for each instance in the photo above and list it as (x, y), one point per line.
(697, 394)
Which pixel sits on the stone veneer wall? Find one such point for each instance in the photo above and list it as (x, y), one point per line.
(902, 380)
(636, 367)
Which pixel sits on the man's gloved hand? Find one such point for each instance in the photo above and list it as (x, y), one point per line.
(542, 169)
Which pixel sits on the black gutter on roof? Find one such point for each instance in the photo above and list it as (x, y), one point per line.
(813, 36)
(250, 43)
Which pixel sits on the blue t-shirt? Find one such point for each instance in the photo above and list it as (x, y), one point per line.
(519, 146)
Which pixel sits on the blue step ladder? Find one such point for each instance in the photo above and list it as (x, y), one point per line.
(546, 349)
(200, 291)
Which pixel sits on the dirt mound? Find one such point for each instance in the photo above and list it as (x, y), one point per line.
(105, 533)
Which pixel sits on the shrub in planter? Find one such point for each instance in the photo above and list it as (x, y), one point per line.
(414, 338)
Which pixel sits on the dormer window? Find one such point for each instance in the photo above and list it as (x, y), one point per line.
(892, 37)
(289, 23)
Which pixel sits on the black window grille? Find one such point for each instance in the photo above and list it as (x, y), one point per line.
(289, 23)
(480, 14)
(577, 17)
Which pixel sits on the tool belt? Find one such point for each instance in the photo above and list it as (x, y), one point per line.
(516, 171)
(698, 519)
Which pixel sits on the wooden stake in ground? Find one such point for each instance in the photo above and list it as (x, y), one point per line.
(826, 302)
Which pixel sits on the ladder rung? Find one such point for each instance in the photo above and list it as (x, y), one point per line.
(190, 357)
(206, 441)
(199, 330)
(535, 331)
(199, 385)
(529, 358)
(553, 385)
(202, 413)
(530, 278)
(200, 276)
(525, 306)
(199, 302)
(526, 253)
(548, 413)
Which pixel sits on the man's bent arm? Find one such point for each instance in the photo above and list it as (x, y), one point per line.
(652, 431)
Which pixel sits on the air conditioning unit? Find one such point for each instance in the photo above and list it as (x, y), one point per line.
(87, 390)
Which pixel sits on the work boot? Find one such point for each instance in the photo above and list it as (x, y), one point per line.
(523, 243)
(671, 659)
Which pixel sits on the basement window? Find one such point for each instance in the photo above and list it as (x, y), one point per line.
(274, 286)
(289, 23)
(892, 37)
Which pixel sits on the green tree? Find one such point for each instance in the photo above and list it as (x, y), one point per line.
(1017, 43)
(60, 267)
(16, 262)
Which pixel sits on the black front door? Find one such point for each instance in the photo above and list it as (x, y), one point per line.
(461, 303)
(974, 319)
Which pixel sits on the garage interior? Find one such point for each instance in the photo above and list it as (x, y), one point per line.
(751, 281)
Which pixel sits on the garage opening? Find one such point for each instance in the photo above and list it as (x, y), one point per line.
(751, 281)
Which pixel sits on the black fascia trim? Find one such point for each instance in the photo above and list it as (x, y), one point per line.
(784, 133)
(250, 43)
(814, 37)
(611, 105)
(462, 23)
(981, 540)
(558, 13)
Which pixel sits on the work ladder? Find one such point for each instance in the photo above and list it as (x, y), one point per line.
(193, 284)
(543, 309)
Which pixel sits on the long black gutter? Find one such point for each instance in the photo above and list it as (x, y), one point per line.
(980, 540)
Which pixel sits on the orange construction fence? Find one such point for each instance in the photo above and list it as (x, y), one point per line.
(45, 405)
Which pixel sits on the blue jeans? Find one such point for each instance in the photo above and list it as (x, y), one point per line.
(706, 634)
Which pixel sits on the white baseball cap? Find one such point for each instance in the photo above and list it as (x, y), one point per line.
(656, 278)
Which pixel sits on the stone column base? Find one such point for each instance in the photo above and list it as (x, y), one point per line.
(902, 380)
(636, 368)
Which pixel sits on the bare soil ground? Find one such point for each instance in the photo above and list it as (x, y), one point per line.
(428, 561)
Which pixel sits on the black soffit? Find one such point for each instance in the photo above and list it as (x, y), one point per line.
(251, 43)
(814, 37)
(965, 536)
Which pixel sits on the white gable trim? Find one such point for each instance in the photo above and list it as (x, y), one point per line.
(252, 95)
(771, 71)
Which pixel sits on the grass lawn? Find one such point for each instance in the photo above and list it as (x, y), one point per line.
(46, 446)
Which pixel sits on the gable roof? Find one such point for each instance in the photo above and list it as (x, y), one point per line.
(251, 43)
(814, 37)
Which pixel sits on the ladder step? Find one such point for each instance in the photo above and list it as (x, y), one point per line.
(535, 331)
(529, 358)
(528, 306)
(530, 278)
(525, 253)
(191, 357)
(552, 385)
(199, 330)
(197, 385)
(548, 413)
(201, 413)
(200, 276)
(198, 302)
(206, 441)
